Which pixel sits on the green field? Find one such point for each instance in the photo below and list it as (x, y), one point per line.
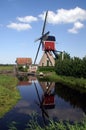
(6, 67)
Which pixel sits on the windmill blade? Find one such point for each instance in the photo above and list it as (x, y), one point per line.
(38, 39)
(42, 37)
(37, 92)
(44, 23)
(37, 52)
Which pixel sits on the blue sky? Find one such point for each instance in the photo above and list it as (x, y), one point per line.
(21, 23)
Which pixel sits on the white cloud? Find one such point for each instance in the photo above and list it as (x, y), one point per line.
(76, 27)
(28, 19)
(63, 16)
(22, 23)
(19, 26)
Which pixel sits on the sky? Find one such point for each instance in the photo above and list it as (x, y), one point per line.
(21, 22)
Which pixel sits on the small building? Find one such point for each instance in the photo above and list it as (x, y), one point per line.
(33, 68)
(24, 61)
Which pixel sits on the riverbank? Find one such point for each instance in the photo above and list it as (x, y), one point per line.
(72, 82)
(66, 125)
(9, 94)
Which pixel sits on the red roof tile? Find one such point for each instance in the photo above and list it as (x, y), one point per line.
(23, 61)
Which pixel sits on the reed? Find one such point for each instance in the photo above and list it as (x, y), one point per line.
(57, 125)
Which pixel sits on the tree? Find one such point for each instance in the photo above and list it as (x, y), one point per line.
(71, 66)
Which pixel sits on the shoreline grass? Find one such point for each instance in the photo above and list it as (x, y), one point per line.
(52, 125)
(72, 82)
(58, 126)
(9, 94)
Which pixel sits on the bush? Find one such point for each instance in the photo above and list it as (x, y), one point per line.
(23, 69)
(71, 67)
(46, 68)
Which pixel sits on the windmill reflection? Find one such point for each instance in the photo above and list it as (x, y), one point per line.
(48, 96)
(46, 100)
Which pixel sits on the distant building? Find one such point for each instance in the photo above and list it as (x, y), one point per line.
(47, 60)
(24, 61)
(33, 68)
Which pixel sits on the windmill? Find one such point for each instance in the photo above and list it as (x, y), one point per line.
(47, 41)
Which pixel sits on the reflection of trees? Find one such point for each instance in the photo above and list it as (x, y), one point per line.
(75, 98)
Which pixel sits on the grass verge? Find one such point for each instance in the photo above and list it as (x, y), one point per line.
(57, 125)
(9, 94)
(75, 83)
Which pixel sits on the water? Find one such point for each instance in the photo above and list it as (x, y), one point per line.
(49, 100)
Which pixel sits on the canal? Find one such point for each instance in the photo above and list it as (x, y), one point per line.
(45, 101)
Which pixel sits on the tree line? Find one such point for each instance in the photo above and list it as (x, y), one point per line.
(69, 66)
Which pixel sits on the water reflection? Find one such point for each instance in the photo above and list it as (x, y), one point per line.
(74, 97)
(48, 94)
(66, 103)
(49, 99)
(46, 101)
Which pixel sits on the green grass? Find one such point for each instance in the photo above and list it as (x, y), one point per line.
(57, 125)
(6, 67)
(76, 83)
(9, 95)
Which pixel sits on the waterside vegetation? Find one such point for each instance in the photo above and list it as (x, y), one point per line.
(57, 126)
(9, 94)
(69, 72)
(71, 82)
(52, 125)
(74, 67)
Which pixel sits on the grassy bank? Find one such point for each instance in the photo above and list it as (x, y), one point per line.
(59, 125)
(8, 93)
(76, 83)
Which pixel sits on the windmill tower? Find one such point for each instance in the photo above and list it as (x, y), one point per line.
(47, 60)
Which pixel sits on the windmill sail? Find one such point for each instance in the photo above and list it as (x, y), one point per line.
(41, 38)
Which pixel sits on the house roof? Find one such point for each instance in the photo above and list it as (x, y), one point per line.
(24, 61)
